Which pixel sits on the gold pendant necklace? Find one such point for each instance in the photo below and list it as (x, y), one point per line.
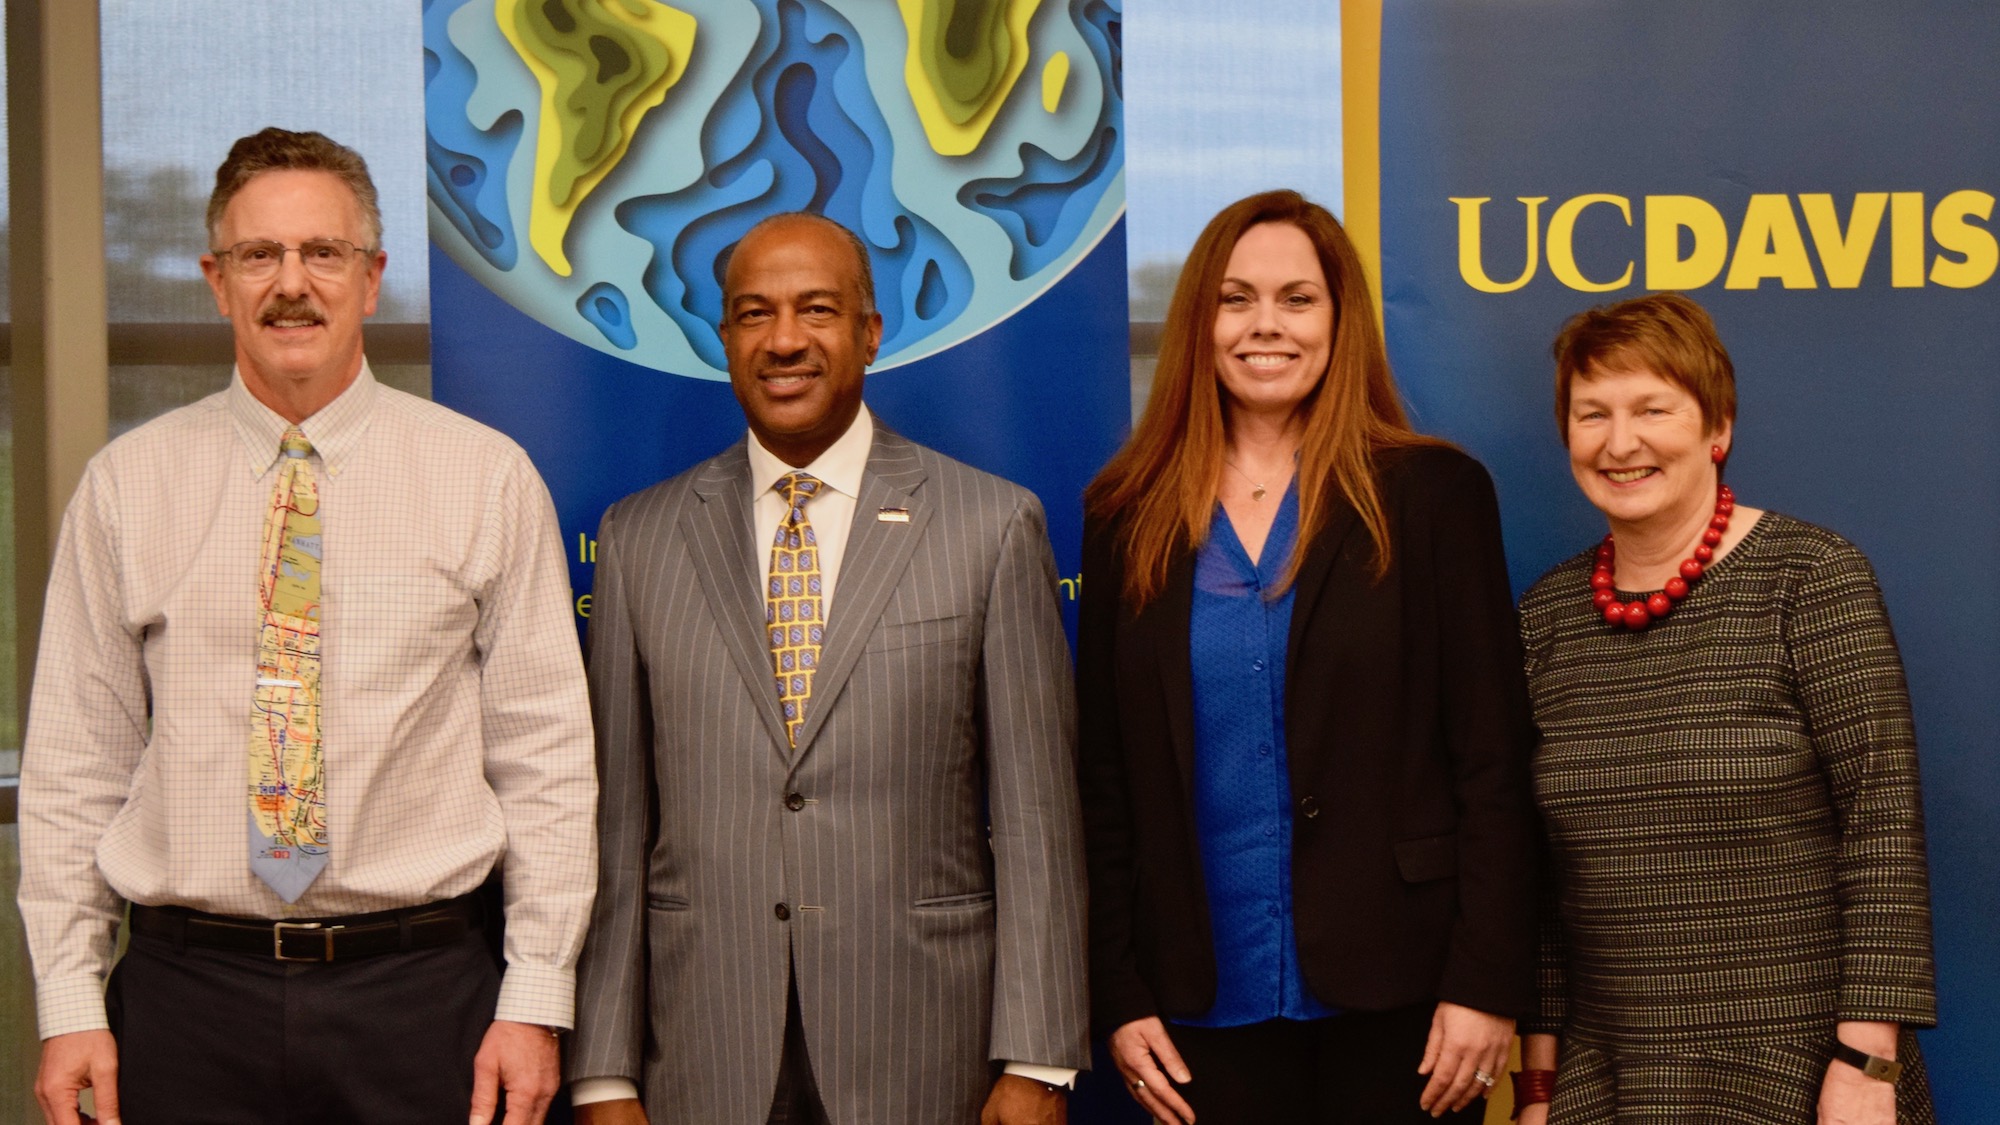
(1257, 491)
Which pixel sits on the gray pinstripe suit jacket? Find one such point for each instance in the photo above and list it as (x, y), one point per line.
(924, 945)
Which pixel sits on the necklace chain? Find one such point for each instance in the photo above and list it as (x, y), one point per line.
(1257, 490)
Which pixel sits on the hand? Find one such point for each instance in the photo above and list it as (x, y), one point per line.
(72, 1063)
(1849, 1097)
(522, 1058)
(1023, 1101)
(1463, 1040)
(618, 1111)
(1145, 1056)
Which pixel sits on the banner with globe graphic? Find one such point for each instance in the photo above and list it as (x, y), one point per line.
(591, 162)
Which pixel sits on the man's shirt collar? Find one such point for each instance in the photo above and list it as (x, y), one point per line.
(840, 467)
(335, 431)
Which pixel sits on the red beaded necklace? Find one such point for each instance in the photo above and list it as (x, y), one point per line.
(1637, 615)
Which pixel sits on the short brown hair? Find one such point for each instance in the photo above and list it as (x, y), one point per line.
(277, 150)
(1665, 333)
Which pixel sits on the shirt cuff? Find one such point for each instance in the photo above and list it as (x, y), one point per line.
(585, 1091)
(70, 1004)
(1051, 1075)
(531, 994)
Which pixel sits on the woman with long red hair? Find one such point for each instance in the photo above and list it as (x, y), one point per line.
(1304, 731)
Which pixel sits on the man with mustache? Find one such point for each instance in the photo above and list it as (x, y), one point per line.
(841, 869)
(308, 672)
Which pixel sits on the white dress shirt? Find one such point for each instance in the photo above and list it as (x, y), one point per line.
(456, 727)
(831, 514)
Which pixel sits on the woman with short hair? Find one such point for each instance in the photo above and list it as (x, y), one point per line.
(1727, 771)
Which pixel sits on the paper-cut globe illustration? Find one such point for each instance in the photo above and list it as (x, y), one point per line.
(592, 161)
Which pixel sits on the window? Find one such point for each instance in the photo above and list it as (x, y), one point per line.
(185, 78)
(1265, 114)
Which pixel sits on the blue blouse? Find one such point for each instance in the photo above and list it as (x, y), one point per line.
(1238, 639)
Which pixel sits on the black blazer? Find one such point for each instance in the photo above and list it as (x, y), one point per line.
(1408, 738)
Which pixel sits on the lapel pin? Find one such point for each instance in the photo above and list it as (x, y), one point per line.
(893, 515)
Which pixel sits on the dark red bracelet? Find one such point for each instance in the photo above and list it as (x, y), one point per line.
(1532, 1087)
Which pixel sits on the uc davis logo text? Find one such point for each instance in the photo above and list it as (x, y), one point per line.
(1684, 242)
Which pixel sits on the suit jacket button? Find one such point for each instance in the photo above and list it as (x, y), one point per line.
(783, 912)
(795, 801)
(1308, 807)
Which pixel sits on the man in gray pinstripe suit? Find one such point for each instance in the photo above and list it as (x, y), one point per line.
(863, 903)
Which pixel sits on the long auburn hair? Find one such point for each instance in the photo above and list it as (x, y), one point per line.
(1161, 487)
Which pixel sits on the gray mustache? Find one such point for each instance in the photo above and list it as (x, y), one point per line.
(290, 308)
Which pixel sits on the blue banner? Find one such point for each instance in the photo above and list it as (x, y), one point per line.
(1822, 179)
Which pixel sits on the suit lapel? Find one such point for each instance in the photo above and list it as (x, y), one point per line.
(720, 531)
(1311, 583)
(878, 552)
(1167, 621)
(1323, 575)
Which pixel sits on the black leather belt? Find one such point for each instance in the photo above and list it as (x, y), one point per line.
(322, 939)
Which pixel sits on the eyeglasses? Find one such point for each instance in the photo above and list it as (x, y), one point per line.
(322, 257)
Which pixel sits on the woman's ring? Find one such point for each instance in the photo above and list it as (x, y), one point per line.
(1484, 1078)
(1138, 1083)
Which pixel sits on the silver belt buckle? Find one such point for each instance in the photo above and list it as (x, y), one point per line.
(278, 940)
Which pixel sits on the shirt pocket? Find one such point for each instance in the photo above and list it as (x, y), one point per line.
(390, 632)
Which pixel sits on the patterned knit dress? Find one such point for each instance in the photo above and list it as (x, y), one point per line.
(1735, 835)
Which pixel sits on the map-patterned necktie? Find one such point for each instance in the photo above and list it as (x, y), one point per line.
(288, 845)
(792, 601)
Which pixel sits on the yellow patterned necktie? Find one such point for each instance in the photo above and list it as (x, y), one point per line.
(288, 844)
(792, 601)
